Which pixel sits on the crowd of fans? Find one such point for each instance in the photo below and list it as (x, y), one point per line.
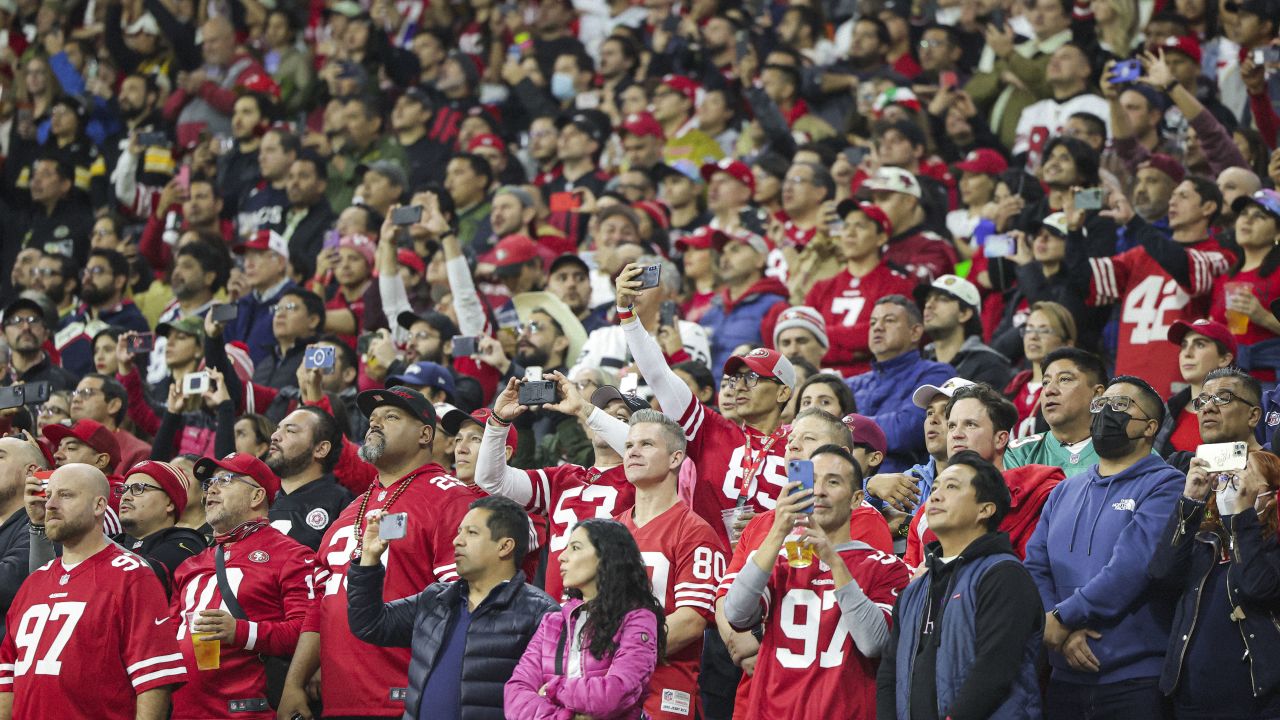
(588, 359)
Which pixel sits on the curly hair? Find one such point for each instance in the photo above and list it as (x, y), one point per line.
(622, 585)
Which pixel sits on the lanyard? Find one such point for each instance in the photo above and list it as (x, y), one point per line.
(750, 470)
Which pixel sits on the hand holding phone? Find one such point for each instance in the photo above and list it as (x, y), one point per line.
(393, 526)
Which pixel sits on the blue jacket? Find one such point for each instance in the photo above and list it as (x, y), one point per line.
(884, 395)
(923, 474)
(252, 325)
(1089, 557)
(734, 323)
(74, 338)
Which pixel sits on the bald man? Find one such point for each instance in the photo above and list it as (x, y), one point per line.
(18, 459)
(206, 97)
(1236, 182)
(97, 612)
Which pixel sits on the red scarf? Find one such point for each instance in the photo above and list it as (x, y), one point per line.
(241, 532)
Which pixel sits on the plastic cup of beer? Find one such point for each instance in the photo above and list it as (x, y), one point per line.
(730, 517)
(800, 554)
(208, 650)
(1237, 322)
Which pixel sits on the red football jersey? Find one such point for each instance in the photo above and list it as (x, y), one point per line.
(569, 494)
(272, 576)
(84, 642)
(845, 302)
(804, 653)
(359, 678)
(723, 451)
(1153, 301)
(685, 560)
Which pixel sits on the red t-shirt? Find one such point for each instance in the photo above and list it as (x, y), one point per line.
(845, 302)
(84, 642)
(359, 678)
(685, 560)
(1267, 290)
(272, 577)
(1186, 431)
(569, 494)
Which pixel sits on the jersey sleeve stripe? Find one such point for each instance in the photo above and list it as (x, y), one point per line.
(252, 640)
(693, 604)
(695, 586)
(6, 681)
(172, 672)
(138, 665)
(541, 499)
(692, 419)
(1103, 278)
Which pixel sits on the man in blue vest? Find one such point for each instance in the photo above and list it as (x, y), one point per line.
(966, 634)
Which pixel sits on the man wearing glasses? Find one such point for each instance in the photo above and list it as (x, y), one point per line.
(1228, 409)
(102, 399)
(152, 498)
(250, 592)
(1088, 556)
(266, 267)
(26, 330)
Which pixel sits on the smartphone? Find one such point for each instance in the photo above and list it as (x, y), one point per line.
(801, 471)
(998, 246)
(534, 390)
(406, 215)
(564, 202)
(856, 154)
(142, 343)
(364, 341)
(43, 476)
(196, 383)
(184, 178)
(1266, 55)
(35, 393)
(996, 18)
(1125, 71)
(649, 278)
(153, 139)
(667, 314)
(331, 239)
(1228, 456)
(948, 80)
(319, 357)
(11, 396)
(742, 47)
(1089, 199)
(224, 312)
(393, 526)
(465, 345)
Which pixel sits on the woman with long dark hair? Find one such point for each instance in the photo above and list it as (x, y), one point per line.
(594, 658)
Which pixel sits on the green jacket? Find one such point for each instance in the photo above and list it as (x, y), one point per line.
(343, 180)
(1006, 101)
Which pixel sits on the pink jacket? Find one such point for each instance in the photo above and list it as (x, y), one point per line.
(615, 687)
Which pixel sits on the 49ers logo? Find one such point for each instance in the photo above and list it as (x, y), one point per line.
(259, 556)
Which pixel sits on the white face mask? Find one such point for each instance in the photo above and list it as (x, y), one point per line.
(1226, 499)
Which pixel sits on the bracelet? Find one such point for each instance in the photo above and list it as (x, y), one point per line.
(626, 313)
(1169, 88)
(501, 420)
(37, 530)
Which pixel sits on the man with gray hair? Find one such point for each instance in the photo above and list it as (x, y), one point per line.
(18, 460)
(685, 555)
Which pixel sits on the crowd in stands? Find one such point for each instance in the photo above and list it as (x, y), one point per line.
(662, 359)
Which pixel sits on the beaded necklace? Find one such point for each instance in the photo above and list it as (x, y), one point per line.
(361, 520)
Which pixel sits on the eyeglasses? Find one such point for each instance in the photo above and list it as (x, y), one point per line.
(23, 320)
(104, 232)
(134, 489)
(48, 272)
(1119, 403)
(927, 44)
(794, 181)
(285, 307)
(1223, 398)
(224, 480)
(532, 328)
(51, 410)
(97, 270)
(749, 380)
(85, 393)
(1222, 481)
(1037, 332)
(425, 335)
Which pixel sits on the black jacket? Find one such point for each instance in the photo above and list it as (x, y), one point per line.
(165, 550)
(307, 512)
(15, 542)
(501, 627)
(307, 239)
(1182, 561)
(1176, 403)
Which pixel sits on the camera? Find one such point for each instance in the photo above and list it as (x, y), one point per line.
(406, 215)
(649, 278)
(393, 526)
(998, 246)
(1125, 71)
(1089, 199)
(534, 390)
(196, 383)
(318, 357)
(465, 345)
(142, 343)
(224, 313)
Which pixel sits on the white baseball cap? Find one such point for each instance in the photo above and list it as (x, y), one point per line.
(953, 285)
(926, 394)
(894, 179)
(802, 316)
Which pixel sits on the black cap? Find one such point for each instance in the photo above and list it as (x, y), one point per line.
(400, 396)
(592, 122)
(1265, 9)
(606, 394)
(23, 303)
(442, 323)
(569, 259)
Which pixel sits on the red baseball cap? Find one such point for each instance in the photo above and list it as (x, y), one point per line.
(866, 432)
(873, 212)
(91, 433)
(258, 82)
(241, 464)
(736, 169)
(1211, 329)
(765, 363)
(1165, 164)
(760, 243)
(656, 211)
(511, 251)
(983, 161)
(703, 238)
(641, 124)
(266, 240)
(169, 478)
(1186, 44)
(487, 140)
(410, 259)
(683, 85)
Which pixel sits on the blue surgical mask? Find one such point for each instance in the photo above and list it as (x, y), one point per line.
(562, 86)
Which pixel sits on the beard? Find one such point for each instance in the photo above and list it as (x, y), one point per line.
(56, 293)
(530, 356)
(95, 295)
(69, 529)
(374, 447)
(287, 467)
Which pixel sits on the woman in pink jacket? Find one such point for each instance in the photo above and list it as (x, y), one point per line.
(593, 659)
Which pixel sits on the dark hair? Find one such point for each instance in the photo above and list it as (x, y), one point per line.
(506, 520)
(1003, 414)
(211, 258)
(311, 301)
(988, 485)
(373, 218)
(821, 177)
(1172, 17)
(368, 106)
(1258, 156)
(1146, 395)
(913, 312)
(119, 264)
(953, 34)
(289, 142)
(845, 455)
(113, 390)
(1231, 372)
(1086, 159)
(262, 427)
(843, 394)
(266, 108)
(882, 30)
(700, 373)
(622, 585)
(64, 168)
(311, 156)
(810, 17)
(1086, 362)
(1095, 123)
(1208, 192)
(479, 165)
(630, 49)
(66, 265)
(326, 428)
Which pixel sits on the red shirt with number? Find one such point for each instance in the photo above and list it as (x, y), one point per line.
(272, 576)
(1267, 290)
(84, 642)
(845, 302)
(362, 679)
(685, 560)
(1151, 301)
(805, 654)
(569, 494)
